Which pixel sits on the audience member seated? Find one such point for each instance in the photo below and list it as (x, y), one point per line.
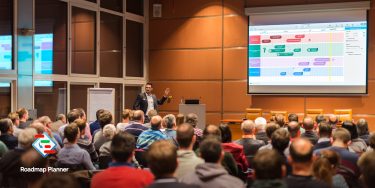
(82, 115)
(125, 120)
(260, 129)
(109, 132)
(162, 160)
(229, 163)
(121, 172)
(348, 164)
(60, 121)
(149, 115)
(71, 155)
(13, 116)
(292, 117)
(308, 125)
(319, 118)
(280, 120)
(105, 118)
(6, 128)
(280, 141)
(235, 149)
(146, 138)
(169, 122)
(356, 145)
(95, 126)
(324, 169)
(301, 160)
(363, 133)
(46, 121)
(10, 163)
(72, 116)
(367, 165)
(180, 119)
(325, 133)
(294, 130)
(248, 141)
(3, 149)
(192, 119)
(211, 173)
(84, 142)
(269, 169)
(271, 127)
(136, 128)
(186, 157)
(333, 121)
(23, 114)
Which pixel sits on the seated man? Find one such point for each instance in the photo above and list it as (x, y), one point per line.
(137, 127)
(105, 118)
(211, 173)
(71, 155)
(308, 125)
(325, 133)
(294, 130)
(16, 122)
(169, 123)
(271, 127)
(357, 144)
(363, 132)
(84, 142)
(125, 120)
(301, 159)
(146, 138)
(367, 166)
(260, 127)
(162, 160)
(121, 172)
(6, 128)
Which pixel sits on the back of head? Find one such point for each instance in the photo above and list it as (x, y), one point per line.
(192, 119)
(122, 147)
(325, 130)
(180, 119)
(293, 128)
(210, 150)
(26, 138)
(212, 130)
(82, 113)
(55, 180)
(152, 113)
(38, 126)
(362, 127)
(45, 120)
(169, 121)
(71, 132)
(280, 140)
(308, 123)
(320, 118)
(341, 135)
(138, 116)
(351, 127)
(60, 117)
(126, 114)
(271, 128)
(21, 112)
(260, 123)
(5, 125)
(226, 134)
(73, 115)
(367, 165)
(109, 131)
(332, 119)
(162, 158)
(268, 164)
(301, 151)
(280, 120)
(13, 116)
(105, 118)
(156, 122)
(185, 134)
(248, 127)
(98, 112)
(332, 156)
(293, 117)
(81, 124)
(322, 171)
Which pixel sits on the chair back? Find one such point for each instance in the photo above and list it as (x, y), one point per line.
(253, 113)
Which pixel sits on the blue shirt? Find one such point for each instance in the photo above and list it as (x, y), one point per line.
(146, 138)
(94, 126)
(135, 129)
(73, 154)
(171, 135)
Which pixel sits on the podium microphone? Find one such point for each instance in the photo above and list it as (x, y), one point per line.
(169, 98)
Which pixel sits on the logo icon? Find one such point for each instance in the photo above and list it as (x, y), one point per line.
(44, 144)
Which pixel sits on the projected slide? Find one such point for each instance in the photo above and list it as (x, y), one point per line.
(315, 54)
(5, 52)
(43, 53)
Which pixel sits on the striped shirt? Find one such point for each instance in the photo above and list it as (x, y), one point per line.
(148, 137)
(135, 129)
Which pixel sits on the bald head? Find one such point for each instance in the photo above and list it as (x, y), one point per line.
(308, 123)
(139, 116)
(156, 122)
(332, 118)
(293, 128)
(248, 127)
(301, 151)
(212, 130)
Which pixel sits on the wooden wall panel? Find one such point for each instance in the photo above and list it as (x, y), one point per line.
(234, 7)
(185, 64)
(191, 8)
(234, 66)
(213, 118)
(208, 92)
(235, 31)
(235, 98)
(186, 33)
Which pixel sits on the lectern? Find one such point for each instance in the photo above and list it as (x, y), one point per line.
(199, 109)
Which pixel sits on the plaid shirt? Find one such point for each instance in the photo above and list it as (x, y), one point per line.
(198, 132)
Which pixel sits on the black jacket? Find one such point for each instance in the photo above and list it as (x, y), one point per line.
(141, 102)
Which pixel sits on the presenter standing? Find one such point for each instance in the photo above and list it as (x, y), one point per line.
(147, 101)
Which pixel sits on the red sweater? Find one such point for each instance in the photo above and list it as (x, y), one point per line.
(122, 176)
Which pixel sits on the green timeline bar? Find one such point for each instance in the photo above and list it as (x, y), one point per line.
(44, 141)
